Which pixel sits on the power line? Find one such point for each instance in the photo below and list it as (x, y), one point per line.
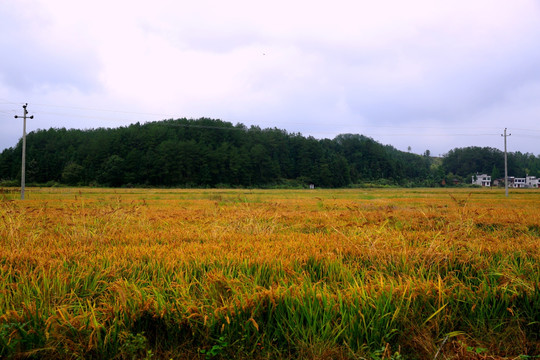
(84, 116)
(476, 131)
(234, 128)
(430, 135)
(527, 129)
(104, 110)
(163, 115)
(222, 128)
(528, 136)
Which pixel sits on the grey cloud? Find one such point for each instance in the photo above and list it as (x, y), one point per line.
(30, 64)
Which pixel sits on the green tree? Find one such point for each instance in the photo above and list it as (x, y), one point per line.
(495, 173)
(72, 174)
(206, 152)
(112, 171)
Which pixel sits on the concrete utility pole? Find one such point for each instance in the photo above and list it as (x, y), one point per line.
(505, 164)
(23, 170)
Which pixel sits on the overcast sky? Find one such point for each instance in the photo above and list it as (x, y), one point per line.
(427, 74)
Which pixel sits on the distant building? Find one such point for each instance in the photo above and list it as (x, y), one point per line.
(513, 182)
(482, 180)
(531, 182)
(519, 182)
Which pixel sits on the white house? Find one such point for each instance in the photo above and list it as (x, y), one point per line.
(519, 182)
(515, 182)
(482, 180)
(531, 182)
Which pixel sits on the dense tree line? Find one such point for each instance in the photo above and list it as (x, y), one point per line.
(466, 162)
(207, 152)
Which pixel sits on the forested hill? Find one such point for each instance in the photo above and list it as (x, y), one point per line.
(206, 152)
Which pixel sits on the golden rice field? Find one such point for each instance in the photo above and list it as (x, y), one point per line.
(270, 274)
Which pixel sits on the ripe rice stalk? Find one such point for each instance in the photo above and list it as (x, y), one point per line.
(352, 269)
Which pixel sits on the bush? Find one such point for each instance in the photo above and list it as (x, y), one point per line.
(9, 183)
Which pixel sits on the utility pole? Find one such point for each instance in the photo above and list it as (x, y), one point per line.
(23, 170)
(505, 164)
